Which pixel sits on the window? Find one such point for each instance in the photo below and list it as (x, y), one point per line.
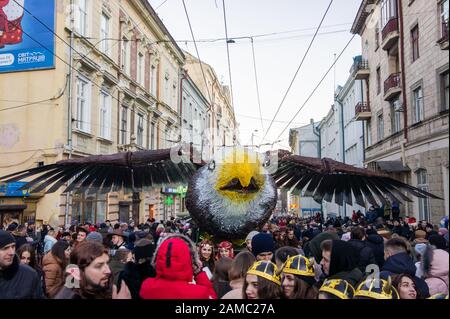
(378, 81)
(82, 17)
(377, 37)
(125, 56)
(388, 11)
(104, 33)
(166, 88)
(174, 96)
(424, 204)
(124, 125)
(396, 118)
(83, 104)
(140, 130)
(443, 79)
(89, 208)
(166, 137)
(153, 136)
(141, 69)
(418, 105)
(105, 115)
(415, 43)
(444, 18)
(380, 127)
(153, 80)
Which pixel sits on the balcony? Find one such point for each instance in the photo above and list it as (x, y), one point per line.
(443, 41)
(392, 87)
(362, 111)
(390, 34)
(361, 70)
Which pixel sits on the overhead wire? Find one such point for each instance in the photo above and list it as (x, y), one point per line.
(228, 54)
(317, 86)
(298, 69)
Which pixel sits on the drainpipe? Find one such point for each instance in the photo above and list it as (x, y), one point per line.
(402, 58)
(69, 108)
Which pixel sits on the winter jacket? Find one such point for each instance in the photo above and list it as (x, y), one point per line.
(221, 288)
(431, 233)
(376, 242)
(20, 282)
(49, 241)
(366, 255)
(236, 292)
(134, 275)
(54, 274)
(344, 257)
(402, 263)
(175, 273)
(435, 270)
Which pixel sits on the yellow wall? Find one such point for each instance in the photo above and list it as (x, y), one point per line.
(31, 133)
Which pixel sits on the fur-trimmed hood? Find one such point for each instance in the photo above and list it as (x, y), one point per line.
(175, 258)
(435, 266)
(435, 262)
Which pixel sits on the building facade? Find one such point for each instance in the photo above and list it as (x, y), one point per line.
(406, 73)
(331, 147)
(195, 116)
(222, 125)
(304, 141)
(115, 86)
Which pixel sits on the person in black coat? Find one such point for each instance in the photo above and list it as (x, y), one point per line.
(16, 281)
(365, 251)
(136, 272)
(399, 262)
(376, 242)
(340, 261)
(430, 231)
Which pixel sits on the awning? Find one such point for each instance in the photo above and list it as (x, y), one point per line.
(393, 167)
(12, 207)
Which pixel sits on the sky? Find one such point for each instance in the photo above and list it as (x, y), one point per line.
(277, 56)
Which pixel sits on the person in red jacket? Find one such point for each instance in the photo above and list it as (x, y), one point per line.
(179, 272)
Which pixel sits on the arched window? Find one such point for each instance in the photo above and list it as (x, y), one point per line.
(424, 203)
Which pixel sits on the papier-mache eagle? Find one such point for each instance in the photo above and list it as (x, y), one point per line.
(228, 196)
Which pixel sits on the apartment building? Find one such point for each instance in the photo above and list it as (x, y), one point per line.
(406, 97)
(222, 125)
(304, 141)
(111, 82)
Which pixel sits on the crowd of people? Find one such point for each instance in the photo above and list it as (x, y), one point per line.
(363, 257)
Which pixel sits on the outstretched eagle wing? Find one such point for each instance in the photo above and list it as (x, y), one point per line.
(105, 173)
(325, 179)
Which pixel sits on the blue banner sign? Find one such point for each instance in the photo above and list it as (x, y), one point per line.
(13, 190)
(27, 39)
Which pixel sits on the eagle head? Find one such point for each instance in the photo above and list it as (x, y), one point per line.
(232, 195)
